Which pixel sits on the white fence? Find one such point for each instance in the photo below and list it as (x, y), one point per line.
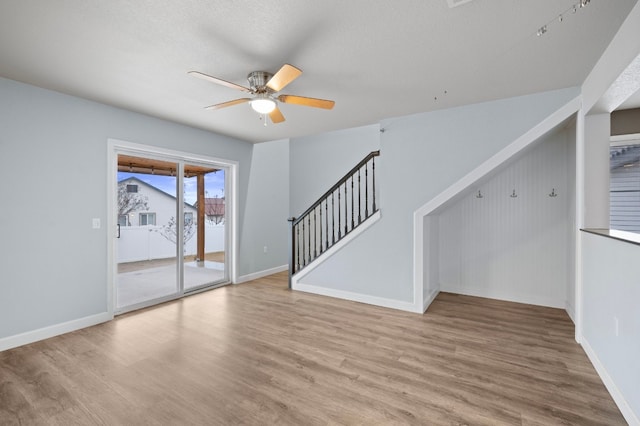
(138, 243)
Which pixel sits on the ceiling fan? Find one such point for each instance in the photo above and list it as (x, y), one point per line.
(264, 86)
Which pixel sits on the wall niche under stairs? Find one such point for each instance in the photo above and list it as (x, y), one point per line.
(511, 235)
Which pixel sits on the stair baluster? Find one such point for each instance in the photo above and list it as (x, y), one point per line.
(301, 237)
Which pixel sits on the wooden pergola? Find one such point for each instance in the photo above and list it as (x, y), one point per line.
(127, 163)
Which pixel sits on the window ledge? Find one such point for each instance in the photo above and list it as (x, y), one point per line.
(628, 237)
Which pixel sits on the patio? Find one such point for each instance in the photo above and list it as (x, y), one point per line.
(148, 280)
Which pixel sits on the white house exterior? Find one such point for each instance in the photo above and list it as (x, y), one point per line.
(161, 207)
(625, 188)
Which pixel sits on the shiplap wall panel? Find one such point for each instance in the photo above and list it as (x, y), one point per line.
(512, 248)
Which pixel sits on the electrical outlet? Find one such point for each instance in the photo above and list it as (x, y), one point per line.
(265, 249)
(616, 326)
(96, 223)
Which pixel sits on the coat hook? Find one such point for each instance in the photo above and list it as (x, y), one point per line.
(479, 195)
(513, 194)
(553, 193)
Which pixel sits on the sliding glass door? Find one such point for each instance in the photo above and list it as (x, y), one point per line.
(147, 261)
(204, 226)
(171, 229)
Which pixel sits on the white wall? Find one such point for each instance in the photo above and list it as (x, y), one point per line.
(421, 155)
(611, 291)
(572, 225)
(318, 162)
(55, 146)
(512, 248)
(431, 252)
(607, 274)
(597, 136)
(265, 223)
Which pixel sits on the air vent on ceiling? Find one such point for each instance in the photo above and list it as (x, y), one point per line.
(456, 3)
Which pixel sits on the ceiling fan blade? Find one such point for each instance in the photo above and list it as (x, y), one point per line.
(310, 102)
(228, 103)
(285, 75)
(276, 116)
(219, 81)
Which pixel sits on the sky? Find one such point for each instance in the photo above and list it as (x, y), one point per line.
(213, 184)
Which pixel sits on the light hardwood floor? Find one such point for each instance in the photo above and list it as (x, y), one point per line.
(257, 353)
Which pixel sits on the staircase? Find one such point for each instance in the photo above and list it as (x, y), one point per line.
(344, 207)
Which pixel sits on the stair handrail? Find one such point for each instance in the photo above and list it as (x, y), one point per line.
(336, 186)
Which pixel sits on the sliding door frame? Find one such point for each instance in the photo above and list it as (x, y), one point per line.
(116, 147)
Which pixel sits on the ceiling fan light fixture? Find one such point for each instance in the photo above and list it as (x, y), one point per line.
(265, 87)
(263, 105)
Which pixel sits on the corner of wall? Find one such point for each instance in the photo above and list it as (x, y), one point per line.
(429, 297)
(260, 274)
(610, 384)
(570, 310)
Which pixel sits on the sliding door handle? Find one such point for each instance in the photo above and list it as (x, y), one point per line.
(118, 231)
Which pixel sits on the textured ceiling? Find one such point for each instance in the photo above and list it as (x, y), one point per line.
(375, 58)
(632, 102)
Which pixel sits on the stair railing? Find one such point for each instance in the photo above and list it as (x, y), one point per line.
(350, 202)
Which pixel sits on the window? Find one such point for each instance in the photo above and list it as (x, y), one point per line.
(123, 220)
(132, 188)
(147, 219)
(188, 218)
(624, 187)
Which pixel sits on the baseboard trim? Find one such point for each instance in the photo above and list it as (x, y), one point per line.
(430, 297)
(617, 396)
(538, 301)
(570, 311)
(357, 297)
(255, 275)
(11, 342)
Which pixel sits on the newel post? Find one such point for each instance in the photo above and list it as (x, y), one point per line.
(292, 249)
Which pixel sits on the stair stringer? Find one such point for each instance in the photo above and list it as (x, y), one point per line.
(336, 247)
(420, 283)
(341, 294)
